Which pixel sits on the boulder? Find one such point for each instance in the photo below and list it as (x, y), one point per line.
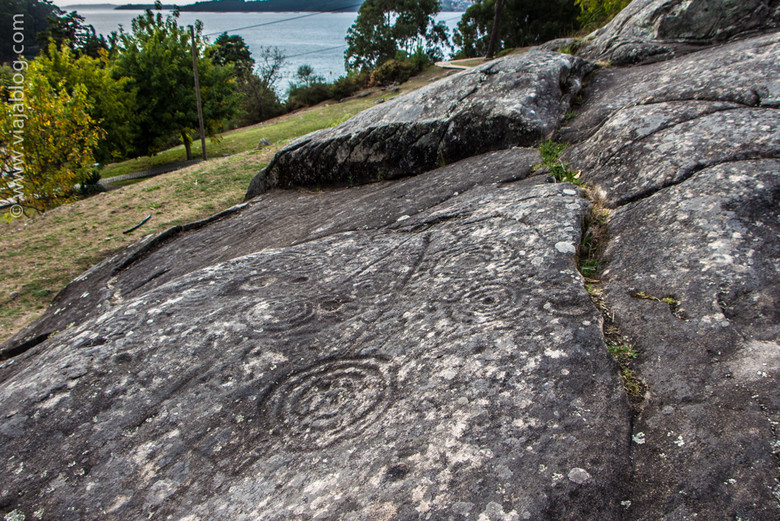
(653, 30)
(513, 101)
(686, 152)
(709, 352)
(446, 365)
(649, 127)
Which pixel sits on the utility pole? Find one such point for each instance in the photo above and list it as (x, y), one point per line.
(494, 31)
(197, 93)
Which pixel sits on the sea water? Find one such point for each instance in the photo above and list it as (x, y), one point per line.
(316, 39)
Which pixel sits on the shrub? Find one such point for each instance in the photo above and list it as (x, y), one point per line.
(394, 71)
(307, 95)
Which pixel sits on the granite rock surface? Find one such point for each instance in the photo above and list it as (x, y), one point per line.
(686, 153)
(656, 30)
(424, 369)
(425, 347)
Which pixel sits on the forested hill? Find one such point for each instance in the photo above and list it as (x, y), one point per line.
(287, 5)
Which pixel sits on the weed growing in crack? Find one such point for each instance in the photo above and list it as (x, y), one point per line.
(622, 351)
(551, 158)
(594, 232)
(571, 48)
(635, 388)
(671, 301)
(590, 262)
(442, 161)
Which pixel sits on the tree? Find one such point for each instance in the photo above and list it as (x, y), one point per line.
(305, 76)
(494, 29)
(308, 89)
(596, 13)
(111, 105)
(35, 13)
(522, 22)
(385, 27)
(232, 50)
(156, 56)
(260, 100)
(46, 153)
(257, 96)
(69, 29)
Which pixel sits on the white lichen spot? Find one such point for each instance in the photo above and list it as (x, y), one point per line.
(495, 512)
(554, 353)
(14, 515)
(565, 247)
(38, 514)
(239, 418)
(556, 477)
(639, 438)
(626, 503)
(449, 373)
(20, 469)
(402, 218)
(419, 496)
(679, 441)
(569, 191)
(579, 476)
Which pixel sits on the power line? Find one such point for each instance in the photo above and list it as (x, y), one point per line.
(315, 52)
(300, 17)
(284, 20)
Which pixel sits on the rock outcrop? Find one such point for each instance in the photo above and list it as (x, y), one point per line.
(426, 348)
(513, 101)
(653, 30)
(686, 152)
(645, 128)
(411, 363)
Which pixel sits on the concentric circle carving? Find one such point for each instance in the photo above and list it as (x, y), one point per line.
(478, 257)
(280, 314)
(488, 302)
(329, 401)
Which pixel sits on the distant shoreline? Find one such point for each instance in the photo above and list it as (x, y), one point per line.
(278, 6)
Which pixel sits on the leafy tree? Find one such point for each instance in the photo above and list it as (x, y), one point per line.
(111, 104)
(45, 154)
(308, 89)
(305, 76)
(35, 13)
(232, 50)
(596, 13)
(523, 22)
(156, 56)
(259, 99)
(385, 27)
(69, 29)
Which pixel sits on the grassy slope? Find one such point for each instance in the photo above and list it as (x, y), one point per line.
(40, 256)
